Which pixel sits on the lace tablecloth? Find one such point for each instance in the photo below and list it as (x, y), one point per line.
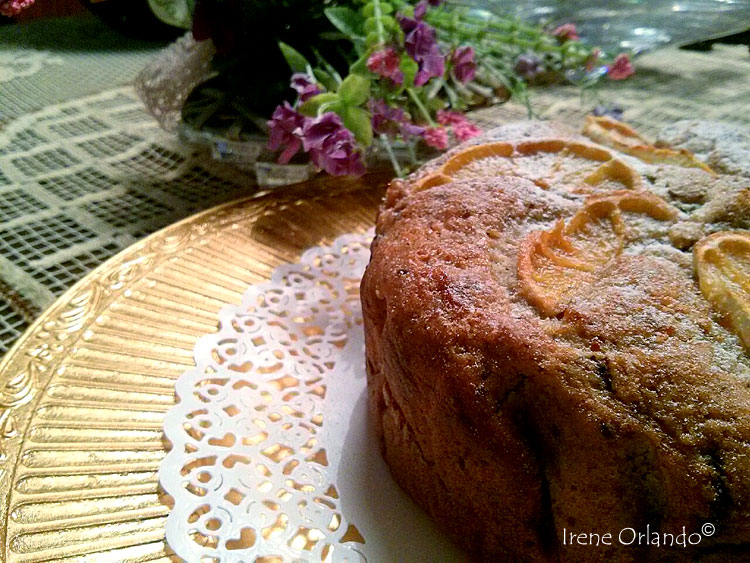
(83, 178)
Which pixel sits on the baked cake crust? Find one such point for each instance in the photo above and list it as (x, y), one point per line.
(624, 404)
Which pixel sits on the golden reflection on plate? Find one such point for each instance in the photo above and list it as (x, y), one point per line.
(84, 391)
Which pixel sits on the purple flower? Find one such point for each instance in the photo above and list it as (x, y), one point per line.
(464, 67)
(528, 66)
(392, 121)
(316, 131)
(331, 146)
(420, 9)
(285, 129)
(341, 156)
(386, 64)
(305, 87)
(614, 112)
(422, 46)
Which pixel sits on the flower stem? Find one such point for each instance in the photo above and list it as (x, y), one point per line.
(423, 110)
(379, 24)
(412, 152)
(391, 155)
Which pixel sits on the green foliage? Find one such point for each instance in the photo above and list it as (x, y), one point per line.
(325, 79)
(372, 39)
(320, 103)
(360, 65)
(338, 40)
(409, 67)
(296, 60)
(357, 120)
(346, 20)
(178, 13)
(354, 90)
(371, 25)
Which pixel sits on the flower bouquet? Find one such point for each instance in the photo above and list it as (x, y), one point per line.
(395, 75)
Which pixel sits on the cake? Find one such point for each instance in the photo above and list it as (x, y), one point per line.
(557, 331)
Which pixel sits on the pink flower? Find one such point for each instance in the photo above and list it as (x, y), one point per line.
(621, 68)
(305, 87)
(386, 64)
(285, 130)
(592, 60)
(465, 130)
(464, 67)
(10, 8)
(566, 32)
(447, 117)
(436, 137)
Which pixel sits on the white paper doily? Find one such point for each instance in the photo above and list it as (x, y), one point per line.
(272, 454)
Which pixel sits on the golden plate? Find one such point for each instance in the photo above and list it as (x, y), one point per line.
(84, 391)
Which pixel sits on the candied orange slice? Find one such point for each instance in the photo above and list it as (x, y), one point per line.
(431, 180)
(722, 265)
(540, 145)
(476, 152)
(612, 133)
(565, 167)
(552, 265)
(615, 171)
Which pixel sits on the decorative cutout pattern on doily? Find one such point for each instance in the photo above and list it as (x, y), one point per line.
(25, 64)
(253, 462)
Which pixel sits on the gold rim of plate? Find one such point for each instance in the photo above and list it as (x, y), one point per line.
(84, 391)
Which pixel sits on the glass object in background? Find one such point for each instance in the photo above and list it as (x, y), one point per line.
(633, 25)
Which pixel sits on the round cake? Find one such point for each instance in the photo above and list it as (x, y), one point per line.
(557, 335)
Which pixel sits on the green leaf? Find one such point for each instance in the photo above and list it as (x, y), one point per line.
(173, 12)
(409, 67)
(328, 81)
(296, 60)
(357, 120)
(354, 90)
(385, 8)
(371, 25)
(328, 67)
(346, 20)
(360, 65)
(388, 23)
(311, 107)
(372, 39)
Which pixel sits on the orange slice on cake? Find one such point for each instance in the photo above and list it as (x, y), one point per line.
(615, 134)
(722, 265)
(554, 264)
(568, 165)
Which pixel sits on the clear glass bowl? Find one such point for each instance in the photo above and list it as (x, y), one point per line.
(632, 25)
